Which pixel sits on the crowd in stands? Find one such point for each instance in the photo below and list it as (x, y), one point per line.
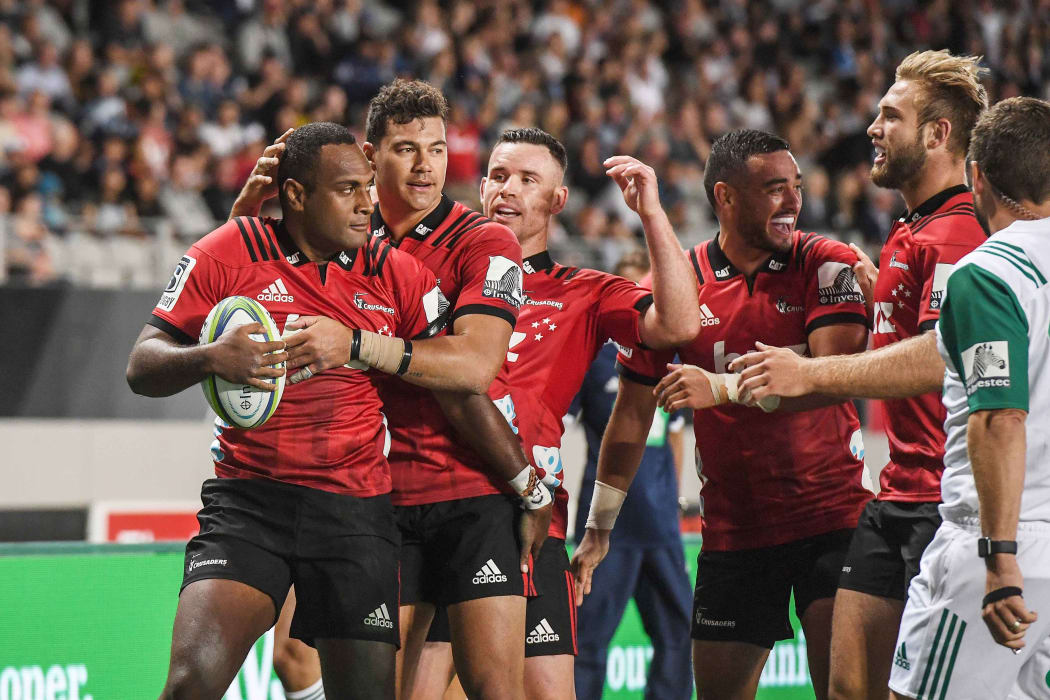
(128, 126)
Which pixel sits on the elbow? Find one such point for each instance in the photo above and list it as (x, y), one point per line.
(480, 375)
(676, 332)
(137, 379)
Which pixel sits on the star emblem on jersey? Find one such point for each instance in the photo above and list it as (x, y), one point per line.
(276, 292)
(542, 632)
(489, 573)
(385, 330)
(539, 336)
(380, 617)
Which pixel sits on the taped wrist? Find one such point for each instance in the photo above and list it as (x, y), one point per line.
(534, 495)
(725, 388)
(605, 506)
(385, 353)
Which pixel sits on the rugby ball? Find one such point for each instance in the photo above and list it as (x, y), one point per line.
(240, 405)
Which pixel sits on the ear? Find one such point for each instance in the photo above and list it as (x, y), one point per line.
(294, 195)
(370, 153)
(938, 134)
(481, 190)
(976, 179)
(561, 196)
(724, 195)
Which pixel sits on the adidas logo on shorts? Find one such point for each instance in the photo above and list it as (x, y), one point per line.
(490, 573)
(380, 617)
(542, 633)
(901, 658)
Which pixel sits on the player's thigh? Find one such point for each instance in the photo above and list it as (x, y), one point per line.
(816, 625)
(489, 663)
(434, 672)
(216, 623)
(549, 677)
(296, 664)
(355, 669)
(415, 622)
(727, 670)
(863, 634)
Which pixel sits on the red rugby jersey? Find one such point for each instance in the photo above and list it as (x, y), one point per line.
(328, 432)
(567, 316)
(478, 266)
(769, 478)
(919, 254)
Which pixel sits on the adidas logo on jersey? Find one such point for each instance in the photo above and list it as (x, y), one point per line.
(707, 318)
(490, 573)
(543, 632)
(380, 617)
(901, 658)
(276, 292)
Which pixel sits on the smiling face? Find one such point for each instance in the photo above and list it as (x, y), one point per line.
(768, 201)
(523, 188)
(897, 137)
(410, 162)
(336, 209)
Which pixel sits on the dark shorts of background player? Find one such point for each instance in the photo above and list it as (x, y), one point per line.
(743, 595)
(460, 550)
(889, 541)
(340, 552)
(550, 616)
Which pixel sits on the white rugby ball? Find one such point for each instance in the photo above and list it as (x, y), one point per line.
(240, 405)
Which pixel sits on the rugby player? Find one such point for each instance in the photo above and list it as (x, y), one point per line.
(567, 316)
(305, 498)
(781, 490)
(920, 135)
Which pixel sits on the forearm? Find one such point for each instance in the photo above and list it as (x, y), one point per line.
(246, 204)
(995, 441)
(481, 426)
(158, 368)
(674, 317)
(624, 441)
(909, 368)
(455, 363)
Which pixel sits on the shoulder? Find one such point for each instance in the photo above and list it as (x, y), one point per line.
(464, 225)
(955, 225)
(384, 260)
(813, 249)
(1002, 259)
(241, 241)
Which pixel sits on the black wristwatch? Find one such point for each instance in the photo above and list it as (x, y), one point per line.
(986, 547)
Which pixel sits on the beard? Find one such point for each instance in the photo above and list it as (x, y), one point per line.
(903, 167)
(983, 209)
(755, 235)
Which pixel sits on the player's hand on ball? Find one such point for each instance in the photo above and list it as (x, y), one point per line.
(867, 275)
(687, 386)
(318, 343)
(237, 357)
(1007, 619)
(532, 531)
(586, 558)
(771, 371)
(638, 183)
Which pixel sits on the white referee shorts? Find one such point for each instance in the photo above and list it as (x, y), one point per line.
(944, 651)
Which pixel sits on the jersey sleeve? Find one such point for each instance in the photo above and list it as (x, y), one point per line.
(833, 295)
(491, 277)
(935, 264)
(621, 305)
(643, 366)
(985, 331)
(423, 311)
(198, 283)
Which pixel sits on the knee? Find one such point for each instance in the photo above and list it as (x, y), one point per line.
(845, 687)
(293, 658)
(185, 680)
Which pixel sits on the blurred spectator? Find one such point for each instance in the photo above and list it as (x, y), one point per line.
(264, 35)
(182, 199)
(45, 75)
(227, 134)
(31, 249)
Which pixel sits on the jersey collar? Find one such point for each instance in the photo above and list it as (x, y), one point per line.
(540, 262)
(724, 269)
(298, 258)
(423, 229)
(933, 204)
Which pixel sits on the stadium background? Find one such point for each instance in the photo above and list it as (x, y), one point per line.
(127, 127)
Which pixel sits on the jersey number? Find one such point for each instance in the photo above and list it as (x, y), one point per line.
(515, 338)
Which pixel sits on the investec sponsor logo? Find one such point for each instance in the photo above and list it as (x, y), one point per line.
(490, 573)
(195, 564)
(276, 292)
(987, 365)
(359, 302)
(707, 318)
(32, 682)
(380, 617)
(543, 632)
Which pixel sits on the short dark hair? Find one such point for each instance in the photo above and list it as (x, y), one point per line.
(1011, 144)
(632, 258)
(302, 149)
(401, 102)
(730, 153)
(537, 137)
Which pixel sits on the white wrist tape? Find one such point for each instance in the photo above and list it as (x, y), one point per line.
(731, 383)
(534, 495)
(605, 506)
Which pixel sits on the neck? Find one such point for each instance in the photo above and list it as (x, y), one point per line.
(399, 218)
(1004, 215)
(535, 243)
(745, 258)
(936, 176)
(296, 230)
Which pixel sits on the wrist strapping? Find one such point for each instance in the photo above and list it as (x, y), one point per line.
(725, 388)
(605, 506)
(385, 353)
(534, 495)
(1000, 594)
